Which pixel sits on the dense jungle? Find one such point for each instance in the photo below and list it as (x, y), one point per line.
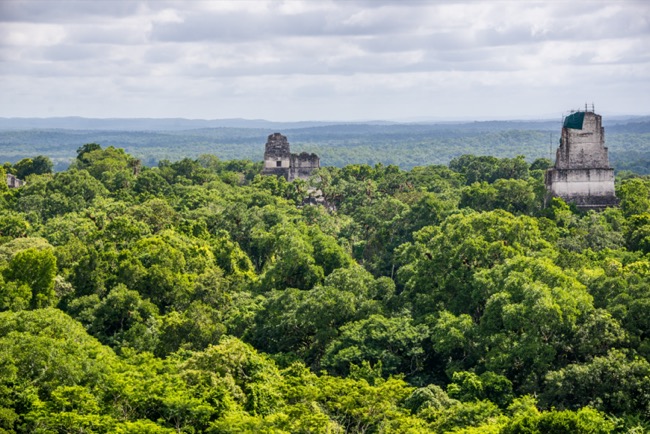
(402, 145)
(197, 296)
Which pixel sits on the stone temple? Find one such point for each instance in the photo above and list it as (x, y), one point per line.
(582, 173)
(278, 160)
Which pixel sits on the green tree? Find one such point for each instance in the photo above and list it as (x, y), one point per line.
(257, 378)
(36, 269)
(439, 264)
(615, 383)
(195, 328)
(531, 312)
(150, 182)
(13, 225)
(85, 149)
(635, 196)
(123, 318)
(14, 295)
(489, 169)
(39, 165)
(468, 387)
(638, 233)
(293, 265)
(3, 185)
(394, 342)
(541, 164)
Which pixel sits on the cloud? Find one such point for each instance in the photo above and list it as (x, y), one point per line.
(36, 11)
(314, 59)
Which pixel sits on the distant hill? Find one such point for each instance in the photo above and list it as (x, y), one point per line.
(150, 124)
(338, 144)
(180, 124)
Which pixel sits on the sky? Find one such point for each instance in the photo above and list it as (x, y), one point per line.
(346, 60)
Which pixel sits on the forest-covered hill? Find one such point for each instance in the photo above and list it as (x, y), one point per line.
(200, 297)
(405, 145)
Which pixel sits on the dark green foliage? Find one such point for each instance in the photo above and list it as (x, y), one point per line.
(489, 169)
(394, 342)
(37, 166)
(541, 164)
(468, 387)
(201, 297)
(406, 146)
(614, 383)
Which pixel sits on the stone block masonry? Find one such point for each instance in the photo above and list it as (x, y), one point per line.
(582, 173)
(13, 182)
(279, 161)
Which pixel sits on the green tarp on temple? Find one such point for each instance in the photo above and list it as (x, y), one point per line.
(574, 120)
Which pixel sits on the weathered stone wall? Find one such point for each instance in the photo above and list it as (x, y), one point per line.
(582, 174)
(277, 154)
(302, 165)
(583, 186)
(583, 148)
(13, 182)
(279, 161)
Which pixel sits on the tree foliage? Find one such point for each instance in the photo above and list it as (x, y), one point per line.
(201, 297)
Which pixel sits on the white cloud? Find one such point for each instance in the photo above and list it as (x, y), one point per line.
(321, 59)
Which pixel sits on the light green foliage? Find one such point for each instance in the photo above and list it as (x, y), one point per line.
(256, 378)
(123, 229)
(624, 290)
(4, 188)
(14, 295)
(461, 415)
(584, 421)
(531, 308)
(112, 166)
(440, 264)
(431, 396)
(11, 248)
(516, 196)
(468, 387)
(197, 327)
(156, 213)
(155, 268)
(292, 264)
(36, 269)
(44, 350)
(13, 225)
(47, 196)
(198, 297)
(360, 407)
(635, 196)
(231, 258)
(453, 337)
(61, 230)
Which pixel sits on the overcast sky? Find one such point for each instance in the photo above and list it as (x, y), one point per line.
(323, 60)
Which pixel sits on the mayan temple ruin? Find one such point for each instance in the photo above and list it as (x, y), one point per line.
(582, 174)
(278, 160)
